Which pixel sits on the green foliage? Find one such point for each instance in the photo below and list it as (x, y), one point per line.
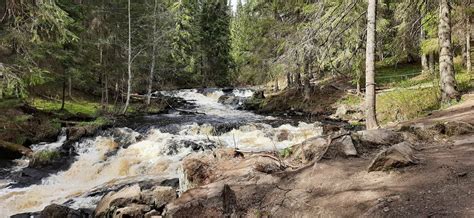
(286, 152)
(392, 75)
(45, 156)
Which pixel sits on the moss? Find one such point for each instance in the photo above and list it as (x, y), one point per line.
(45, 156)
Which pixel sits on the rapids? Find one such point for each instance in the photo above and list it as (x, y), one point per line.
(151, 152)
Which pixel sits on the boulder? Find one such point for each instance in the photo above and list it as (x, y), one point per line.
(341, 111)
(11, 151)
(378, 137)
(341, 147)
(132, 210)
(267, 165)
(396, 156)
(77, 132)
(158, 196)
(121, 198)
(309, 150)
(457, 128)
(213, 200)
(59, 211)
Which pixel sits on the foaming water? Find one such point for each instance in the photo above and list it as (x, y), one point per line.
(127, 157)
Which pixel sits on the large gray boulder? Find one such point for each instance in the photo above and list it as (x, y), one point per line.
(378, 137)
(341, 147)
(396, 156)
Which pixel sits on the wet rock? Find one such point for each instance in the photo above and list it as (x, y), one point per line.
(399, 155)
(214, 200)
(153, 214)
(198, 170)
(378, 137)
(259, 94)
(59, 211)
(131, 210)
(78, 132)
(283, 135)
(12, 151)
(158, 196)
(341, 147)
(121, 198)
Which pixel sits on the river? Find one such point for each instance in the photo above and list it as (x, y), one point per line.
(151, 149)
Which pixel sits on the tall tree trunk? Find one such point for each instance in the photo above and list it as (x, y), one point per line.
(70, 87)
(446, 65)
(129, 63)
(468, 45)
(370, 95)
(424, 57)
(63, 102)
(153, 56)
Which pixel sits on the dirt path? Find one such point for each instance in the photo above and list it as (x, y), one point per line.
(441, 185)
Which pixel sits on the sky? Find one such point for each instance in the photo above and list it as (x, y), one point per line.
(234, 4)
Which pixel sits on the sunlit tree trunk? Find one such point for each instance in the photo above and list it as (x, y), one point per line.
(153, 56)
(424, 57)
(129, 63)
(446, 65)
(468, 45)
(370, 95)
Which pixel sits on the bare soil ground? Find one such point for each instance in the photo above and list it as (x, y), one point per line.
(441, 185)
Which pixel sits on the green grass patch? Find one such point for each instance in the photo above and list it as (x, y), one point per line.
(405, 104)
(100, 121)
(45, 156)
(84, 107)
(391, 75)
(351, 100)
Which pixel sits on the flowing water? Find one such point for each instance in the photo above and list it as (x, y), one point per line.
(151, 152)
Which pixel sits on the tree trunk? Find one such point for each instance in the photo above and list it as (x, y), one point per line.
(63, 102)
(370, 96)
(70, 87)
(289, 80)
(129, 63)
(153, 56)
(446, 66)
(424, 57)
(468, 46)
(431, 63)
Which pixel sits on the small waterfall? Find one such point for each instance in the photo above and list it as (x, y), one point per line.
(124, 156)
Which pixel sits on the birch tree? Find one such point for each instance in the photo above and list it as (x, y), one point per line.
(129, 63)
(153, 54)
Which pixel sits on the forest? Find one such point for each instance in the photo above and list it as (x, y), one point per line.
(167, 99)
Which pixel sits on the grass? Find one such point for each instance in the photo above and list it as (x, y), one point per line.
(84, 107)
(405, 104)
(391, 75)
(45, 156)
